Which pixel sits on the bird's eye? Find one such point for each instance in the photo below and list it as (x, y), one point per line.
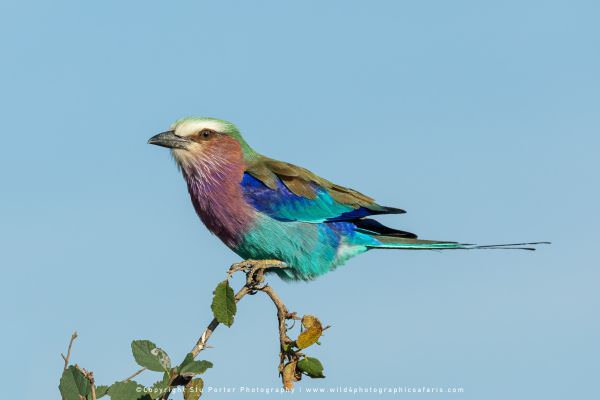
(206, 133)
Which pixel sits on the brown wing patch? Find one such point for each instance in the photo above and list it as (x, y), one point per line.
(299, 186)
(261, 172)
(301, 181)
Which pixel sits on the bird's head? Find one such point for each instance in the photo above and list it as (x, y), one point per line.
(197, 139)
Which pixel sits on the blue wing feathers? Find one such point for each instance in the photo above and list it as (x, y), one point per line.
(284, 205)
(281, 204)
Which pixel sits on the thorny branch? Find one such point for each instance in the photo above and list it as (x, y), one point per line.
(89, 375)
(254, 278)
(66, 358)
(136, 373)
(254, 270)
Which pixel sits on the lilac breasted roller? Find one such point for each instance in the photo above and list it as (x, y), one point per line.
(262, 208)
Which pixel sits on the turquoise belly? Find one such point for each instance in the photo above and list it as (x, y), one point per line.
(308, 249)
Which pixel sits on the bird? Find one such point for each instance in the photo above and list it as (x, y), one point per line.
(265, 209)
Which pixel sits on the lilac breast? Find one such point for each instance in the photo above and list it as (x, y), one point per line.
(218, 200)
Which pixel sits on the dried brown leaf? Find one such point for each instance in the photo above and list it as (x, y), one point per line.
(312, 332)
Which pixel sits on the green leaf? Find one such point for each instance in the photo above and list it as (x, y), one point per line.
(101, 391)
(193, 389)
(73, 384)
(148, 355)
(223, 304)
(190, 366)
(160, 387)
(189, 357)
(196, 367)
(311, 367)
(129, 390)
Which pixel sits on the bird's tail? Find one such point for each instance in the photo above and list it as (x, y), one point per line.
(391, 242)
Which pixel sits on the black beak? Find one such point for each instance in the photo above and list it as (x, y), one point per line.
(170, 140)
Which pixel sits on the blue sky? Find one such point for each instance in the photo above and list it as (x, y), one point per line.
(479, 118)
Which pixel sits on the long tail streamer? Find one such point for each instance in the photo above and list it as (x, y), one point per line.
(388, 242)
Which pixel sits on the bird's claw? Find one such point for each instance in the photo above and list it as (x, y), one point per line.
(254, 269)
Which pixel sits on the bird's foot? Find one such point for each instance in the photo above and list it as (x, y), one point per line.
(252, 266)
(254, 270)
(243, 266)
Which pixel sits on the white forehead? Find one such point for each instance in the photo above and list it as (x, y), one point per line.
(188, 128)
